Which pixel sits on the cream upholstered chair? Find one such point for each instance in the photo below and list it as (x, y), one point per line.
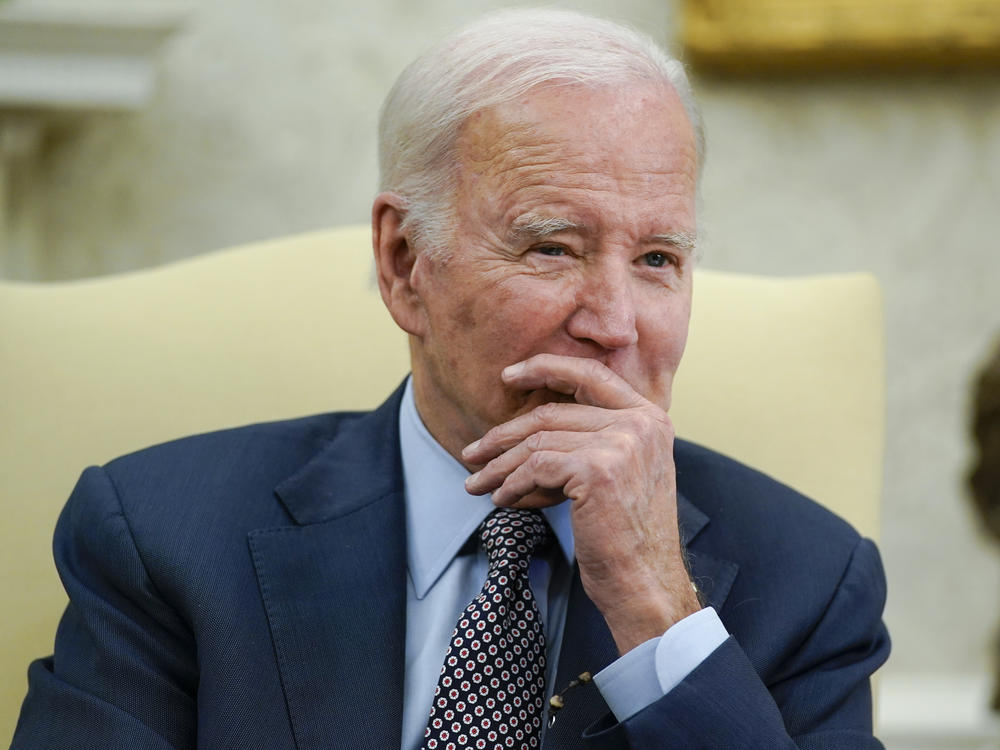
(784, 374)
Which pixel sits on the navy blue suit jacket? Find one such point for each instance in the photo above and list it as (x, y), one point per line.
(247, 589)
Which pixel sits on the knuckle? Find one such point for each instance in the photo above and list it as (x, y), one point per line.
(602, 470)
(632, 443)
(623, 441)
(541, 462)
(648, 430)
(537, 460)
(547, 412)
(536, 441)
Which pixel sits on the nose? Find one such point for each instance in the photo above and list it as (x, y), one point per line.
(605, 308)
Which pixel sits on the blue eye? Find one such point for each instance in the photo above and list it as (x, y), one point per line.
(656, 260)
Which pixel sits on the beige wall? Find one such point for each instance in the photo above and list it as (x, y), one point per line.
(264, 125)
(901, 177)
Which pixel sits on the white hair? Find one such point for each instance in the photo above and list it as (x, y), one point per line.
(490, 62)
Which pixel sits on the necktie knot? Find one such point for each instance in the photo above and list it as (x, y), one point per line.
(511, 536)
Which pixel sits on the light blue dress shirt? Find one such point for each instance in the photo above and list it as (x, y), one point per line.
(444, 575)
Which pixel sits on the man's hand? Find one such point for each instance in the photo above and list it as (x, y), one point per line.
(611, 453)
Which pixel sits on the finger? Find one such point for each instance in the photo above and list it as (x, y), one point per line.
(491, 476)
(553, 416)
(543, 470)
(540, 498)
(587, 380)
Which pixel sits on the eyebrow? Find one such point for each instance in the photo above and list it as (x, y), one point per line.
(534, 226)
(680, 240)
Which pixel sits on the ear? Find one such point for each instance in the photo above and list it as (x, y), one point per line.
(395, 259)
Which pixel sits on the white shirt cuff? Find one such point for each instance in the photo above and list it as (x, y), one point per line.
(654, 668)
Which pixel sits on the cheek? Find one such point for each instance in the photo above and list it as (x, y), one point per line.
(465, 316)
(677, 338)
(678, 320)
(516, 314)
(482, 331)
(663, 337)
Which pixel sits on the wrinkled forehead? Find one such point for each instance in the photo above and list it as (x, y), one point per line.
(561, 120)
(628, 149)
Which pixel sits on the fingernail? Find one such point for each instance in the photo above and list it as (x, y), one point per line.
(513, 370)
(471, 478)
(470, 448)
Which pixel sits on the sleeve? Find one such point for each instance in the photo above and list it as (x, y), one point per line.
(819, 698)
(123, 673)
(654, 668)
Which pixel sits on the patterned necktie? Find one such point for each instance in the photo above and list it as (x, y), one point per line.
(491, 689)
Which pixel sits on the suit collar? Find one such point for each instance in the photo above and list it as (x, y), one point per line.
(358, 466)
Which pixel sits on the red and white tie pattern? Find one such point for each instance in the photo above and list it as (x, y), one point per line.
(491, 691)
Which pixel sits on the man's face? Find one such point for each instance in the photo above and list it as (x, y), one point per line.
(573, 206)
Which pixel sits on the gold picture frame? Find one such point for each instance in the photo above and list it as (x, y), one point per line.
(747, 36)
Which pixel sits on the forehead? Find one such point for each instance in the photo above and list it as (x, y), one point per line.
(581, 145)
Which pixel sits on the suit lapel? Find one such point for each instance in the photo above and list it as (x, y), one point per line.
(712, 575)
(334, 588)
(588, 646)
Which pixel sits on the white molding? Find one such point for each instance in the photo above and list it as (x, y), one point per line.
(81, 57)
(68, 58)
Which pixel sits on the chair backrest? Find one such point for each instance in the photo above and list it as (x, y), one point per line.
(784, 374)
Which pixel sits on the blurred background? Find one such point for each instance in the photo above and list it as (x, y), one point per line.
(260, 122)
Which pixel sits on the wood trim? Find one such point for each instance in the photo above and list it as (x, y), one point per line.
(761, 35)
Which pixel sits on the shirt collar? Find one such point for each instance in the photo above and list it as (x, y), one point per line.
(440, 514)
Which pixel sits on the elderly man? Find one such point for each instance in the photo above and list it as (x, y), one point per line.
(518, 514)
